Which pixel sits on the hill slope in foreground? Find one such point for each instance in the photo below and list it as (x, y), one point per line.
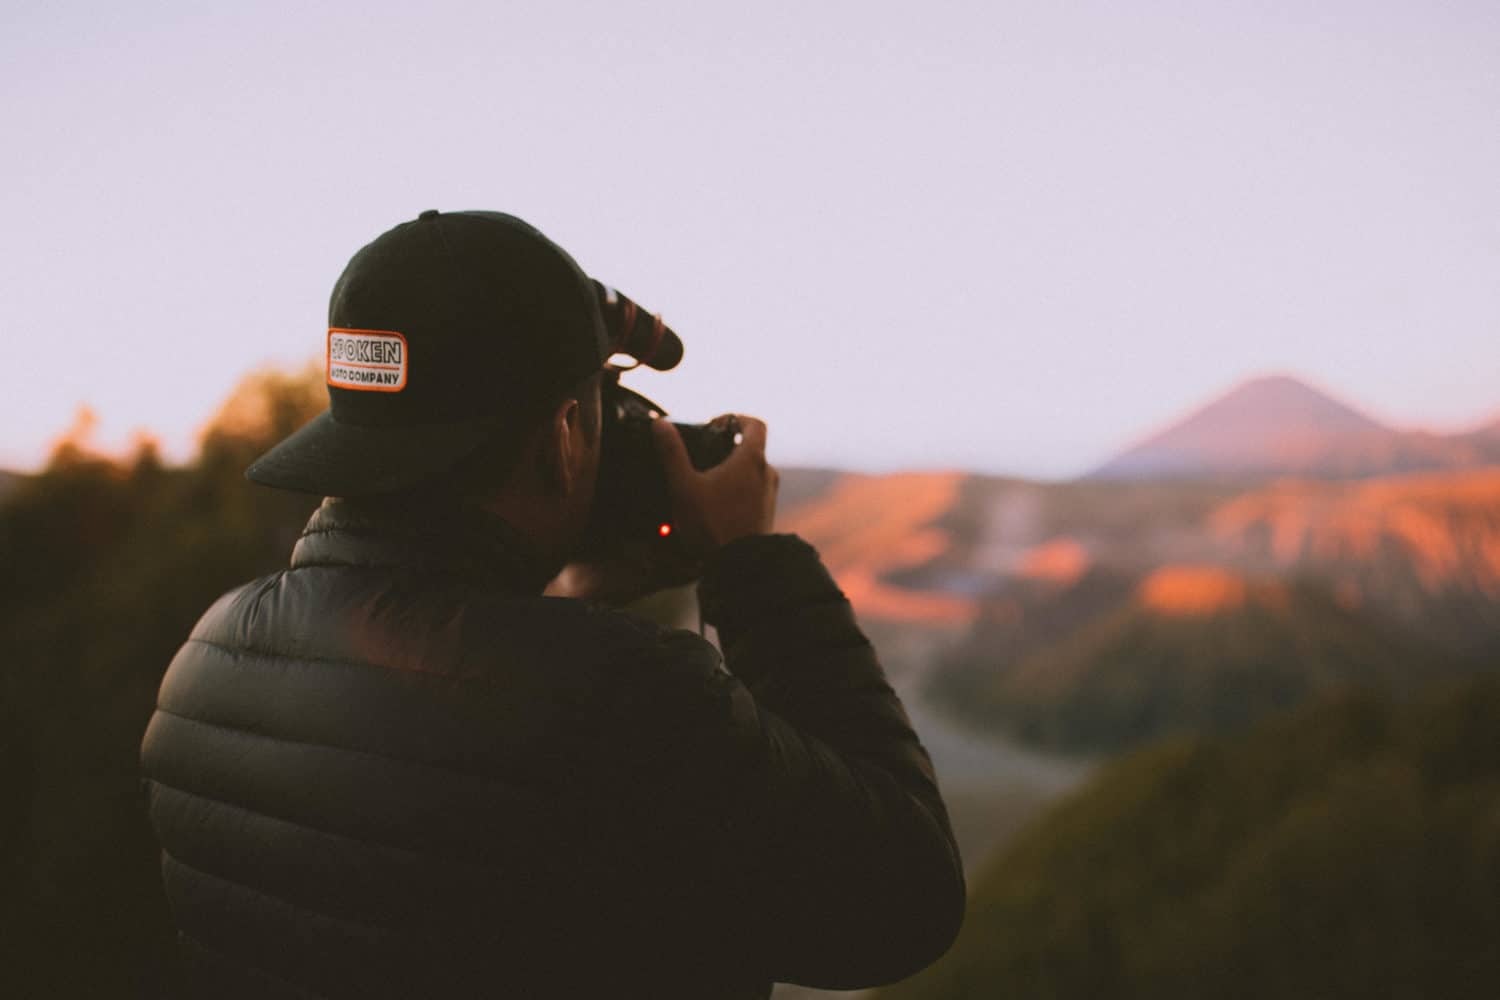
(1348, 850)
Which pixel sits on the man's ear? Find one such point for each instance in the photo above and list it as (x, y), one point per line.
(559, 452)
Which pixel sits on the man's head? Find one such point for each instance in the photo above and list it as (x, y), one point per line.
(447, 334)
(542, 477)
(463, 354)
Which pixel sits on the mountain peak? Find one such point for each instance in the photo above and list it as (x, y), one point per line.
(1286, 394)
(1272, 424)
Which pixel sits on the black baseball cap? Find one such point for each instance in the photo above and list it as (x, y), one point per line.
(442, 333)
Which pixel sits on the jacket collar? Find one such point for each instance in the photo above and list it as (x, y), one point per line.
(442, 539)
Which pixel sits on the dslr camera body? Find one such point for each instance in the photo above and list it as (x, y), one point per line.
(632, 512)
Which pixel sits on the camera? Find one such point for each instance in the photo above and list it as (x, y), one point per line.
(632, 509)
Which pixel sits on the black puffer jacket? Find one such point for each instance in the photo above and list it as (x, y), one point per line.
(395, 770)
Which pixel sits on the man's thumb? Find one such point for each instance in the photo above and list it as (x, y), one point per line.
(674, 456)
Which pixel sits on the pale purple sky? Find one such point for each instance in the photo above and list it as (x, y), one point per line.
(1003, 236)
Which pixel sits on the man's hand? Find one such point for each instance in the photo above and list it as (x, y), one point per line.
(709, 509)
(733, 499)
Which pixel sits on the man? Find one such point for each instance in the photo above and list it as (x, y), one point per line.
(397, 769)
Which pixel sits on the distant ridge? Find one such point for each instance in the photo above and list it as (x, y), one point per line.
(1485, 435)
(8, 482)
(1278, 425)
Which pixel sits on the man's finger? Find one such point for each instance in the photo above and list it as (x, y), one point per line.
(754, 432)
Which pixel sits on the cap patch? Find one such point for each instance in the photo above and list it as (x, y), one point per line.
(372, 360)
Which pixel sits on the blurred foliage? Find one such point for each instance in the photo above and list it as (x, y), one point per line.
(109, 563)
(1348, 849)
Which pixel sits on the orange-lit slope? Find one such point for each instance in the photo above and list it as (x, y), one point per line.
(1060, 561)
(867, 527)
(1192, 590)
(1446, 527)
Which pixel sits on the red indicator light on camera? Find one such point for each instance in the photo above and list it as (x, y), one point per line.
(664, 530)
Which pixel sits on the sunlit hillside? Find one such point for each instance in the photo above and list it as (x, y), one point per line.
(1086, 587)
(1425, 549)
(871, 528)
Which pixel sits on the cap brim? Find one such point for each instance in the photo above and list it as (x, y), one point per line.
(329, 458)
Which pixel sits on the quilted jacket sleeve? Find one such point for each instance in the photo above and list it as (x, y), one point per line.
(845, 864)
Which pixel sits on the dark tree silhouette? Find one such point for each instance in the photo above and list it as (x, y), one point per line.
(107, 565)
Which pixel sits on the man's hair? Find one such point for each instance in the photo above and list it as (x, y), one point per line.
(484, 472)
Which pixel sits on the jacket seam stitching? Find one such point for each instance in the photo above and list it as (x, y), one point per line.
(236, 651)
(362, 841)
(504, 781)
